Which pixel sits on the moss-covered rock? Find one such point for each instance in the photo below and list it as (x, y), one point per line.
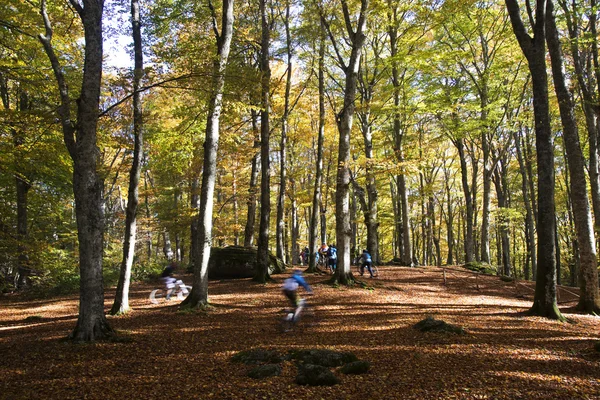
(482, 267)
(257, 356)
(430, 324)
(324, 358)
(315, 375)
(236, 262)
(356, 367)
(264, 371)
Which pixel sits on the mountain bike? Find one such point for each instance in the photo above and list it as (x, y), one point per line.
(373, 268)
(179, 289)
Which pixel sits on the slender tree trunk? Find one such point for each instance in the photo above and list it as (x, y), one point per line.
(404, 235)
(199, 295)
(545, 302)
(295, 224)
(589, 300)
(584, 70)
(316, 200)
(121, 302)
(469, 239)
(252, 198)
(283, 143)
(530, 229)
(500, 181)
(344, 122)
(262, 259)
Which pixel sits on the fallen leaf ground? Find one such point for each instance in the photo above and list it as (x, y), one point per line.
(504, 355)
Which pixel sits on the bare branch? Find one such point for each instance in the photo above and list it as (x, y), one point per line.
(215, 27)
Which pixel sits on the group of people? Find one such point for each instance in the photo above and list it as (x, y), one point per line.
(290, 285)
(329, 255)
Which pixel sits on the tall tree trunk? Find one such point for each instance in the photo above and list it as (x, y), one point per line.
(530, 231)
(283, 143)
(295, 224)
(589, 300)
(404, 235)
(80, 137)
(583, 70)
(199, 295)
(500, 181)
(262, 258)
(449, 218)
(252, 200)
(344, 121)
(469, 239)
(121, 302)
(544, 302)
(316, 200)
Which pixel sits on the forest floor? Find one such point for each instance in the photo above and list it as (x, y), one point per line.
(504, 353)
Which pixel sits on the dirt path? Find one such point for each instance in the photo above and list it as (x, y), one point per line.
(504, 355)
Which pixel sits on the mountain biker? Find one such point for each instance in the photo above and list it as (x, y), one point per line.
(323, 253)
(170, 282)
(290, 290)
(332, 256)
(366, 261)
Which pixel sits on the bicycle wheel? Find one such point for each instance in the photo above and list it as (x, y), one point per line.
(156, 295)
(286, 322)
(375, 270)
(182, 294)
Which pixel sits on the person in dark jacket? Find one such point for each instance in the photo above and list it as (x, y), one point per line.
(366, 261)
(290, 290)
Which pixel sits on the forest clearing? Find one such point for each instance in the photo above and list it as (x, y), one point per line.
(504, 353)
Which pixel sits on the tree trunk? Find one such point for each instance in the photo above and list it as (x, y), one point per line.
(589, 300)
(469, 240)
(80, 138)
(252, 200)
(404, 235)
(121, 302)
(530, 229)
(283, 143)
(316, 200)
(544, 302)
(262, 258)
(199, 294)
(344, 122)
(295, 225)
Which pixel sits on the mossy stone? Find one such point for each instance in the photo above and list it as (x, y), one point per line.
(315, 375)
(264, 371)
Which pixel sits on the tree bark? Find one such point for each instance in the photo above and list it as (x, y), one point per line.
(121, 302)
(80, 138)
(262, 258)
(589, 300)
(344, 122)
(316, 200)
(530, 225)
(545, 302)
(199, 294)
(252, 200)
(404, 235)
(469, 239)
(283, 143)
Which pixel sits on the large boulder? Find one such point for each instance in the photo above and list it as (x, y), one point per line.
(235, 262)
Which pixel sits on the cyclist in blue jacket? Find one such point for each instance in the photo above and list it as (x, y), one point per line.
(366, 261)
(332, 257)
(290, 290)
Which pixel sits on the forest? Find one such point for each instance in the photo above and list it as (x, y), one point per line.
(432, 133)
